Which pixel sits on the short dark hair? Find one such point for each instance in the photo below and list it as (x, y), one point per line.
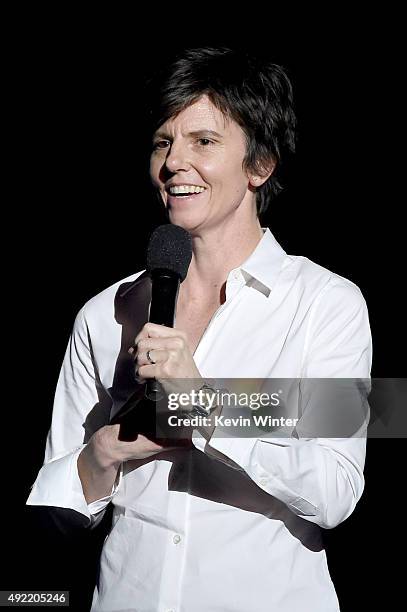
(254, 92)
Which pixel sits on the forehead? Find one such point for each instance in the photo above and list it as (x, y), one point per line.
(200, 115)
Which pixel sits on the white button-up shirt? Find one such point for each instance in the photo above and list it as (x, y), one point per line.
(233, 524)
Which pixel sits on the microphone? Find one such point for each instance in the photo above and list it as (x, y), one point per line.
(169, 254)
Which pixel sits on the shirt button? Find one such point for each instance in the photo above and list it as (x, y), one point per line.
(176, 539)
(236, 274)
(263, 481)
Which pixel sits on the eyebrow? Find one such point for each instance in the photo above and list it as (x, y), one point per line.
(194, 133)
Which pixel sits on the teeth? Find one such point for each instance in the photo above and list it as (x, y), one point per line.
(175, 189)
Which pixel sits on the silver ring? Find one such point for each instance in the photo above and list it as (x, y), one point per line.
(149, 357)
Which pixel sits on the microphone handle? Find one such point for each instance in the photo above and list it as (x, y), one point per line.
(164, 294)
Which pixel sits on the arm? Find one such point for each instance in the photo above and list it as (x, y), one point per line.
(97, 480)
(58, 483)
(83, 477)
(319, 479)
(100, 460)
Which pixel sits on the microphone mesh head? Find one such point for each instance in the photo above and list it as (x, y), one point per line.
(170, 248)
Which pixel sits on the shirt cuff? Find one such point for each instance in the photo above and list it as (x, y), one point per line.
(242, 453)
(97, 506)
(58, 484)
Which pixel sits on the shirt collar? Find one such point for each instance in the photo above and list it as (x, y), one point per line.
(261, 268)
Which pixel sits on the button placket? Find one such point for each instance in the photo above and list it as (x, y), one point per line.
(173, 561)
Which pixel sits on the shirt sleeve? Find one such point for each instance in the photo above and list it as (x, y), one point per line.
(319, 479)
(58, 483)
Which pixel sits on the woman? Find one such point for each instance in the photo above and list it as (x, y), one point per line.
(231, 523)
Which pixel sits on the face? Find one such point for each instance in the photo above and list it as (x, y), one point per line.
(197, 166)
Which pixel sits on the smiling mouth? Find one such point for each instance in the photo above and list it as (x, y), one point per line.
(183, 196)
(172, 198)
(185, 191)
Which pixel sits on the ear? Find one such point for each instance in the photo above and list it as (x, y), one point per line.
(258, 178)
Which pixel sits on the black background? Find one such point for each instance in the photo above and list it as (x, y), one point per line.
(80, 213)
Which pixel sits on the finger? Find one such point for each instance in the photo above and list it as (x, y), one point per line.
(139, 379)
(143, 344)
(156, 356)
(158, 370)
(173, 343)
(154, 330)
(142, 334)
(147, 371)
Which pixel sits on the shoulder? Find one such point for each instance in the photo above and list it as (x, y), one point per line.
(337, 317)
(103, 304)
(338, 339)
(321, 284)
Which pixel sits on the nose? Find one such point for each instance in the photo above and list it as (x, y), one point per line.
(177, 157)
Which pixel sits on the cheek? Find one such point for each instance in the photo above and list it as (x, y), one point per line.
(209, 171)
(219, 173)
(228, 171)
(234, 178)
(155, 172)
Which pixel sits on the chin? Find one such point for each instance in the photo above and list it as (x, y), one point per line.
(187, 221)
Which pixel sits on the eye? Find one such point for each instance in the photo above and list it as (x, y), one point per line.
(205, 141)
(160, 144)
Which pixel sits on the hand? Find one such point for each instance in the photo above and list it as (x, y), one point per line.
(173, 359)
(99, 461)
(104, 448)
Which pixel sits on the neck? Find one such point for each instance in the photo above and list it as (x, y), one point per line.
(215, 252)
